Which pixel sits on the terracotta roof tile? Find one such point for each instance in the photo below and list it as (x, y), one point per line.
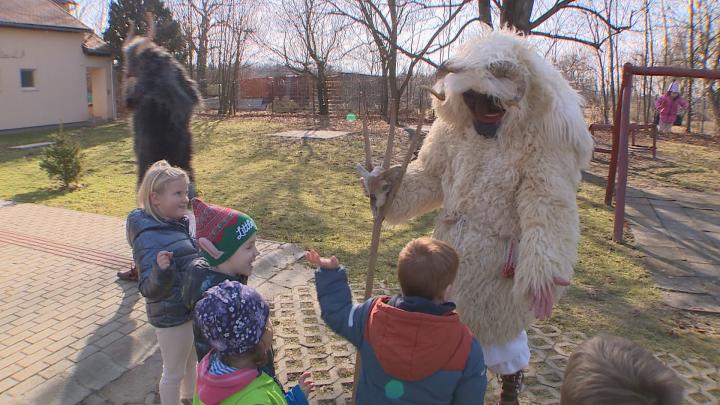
(94, 45)
(39, 14)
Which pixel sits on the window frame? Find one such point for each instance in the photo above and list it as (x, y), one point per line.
(34, 84)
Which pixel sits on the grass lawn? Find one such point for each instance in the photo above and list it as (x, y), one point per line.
(308, 193)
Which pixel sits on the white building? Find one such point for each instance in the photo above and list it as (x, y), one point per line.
(53, 68)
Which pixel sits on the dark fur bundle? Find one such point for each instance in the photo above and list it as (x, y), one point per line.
(162, 97)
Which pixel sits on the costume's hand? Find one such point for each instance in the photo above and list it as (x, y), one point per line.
(378, 184)
(542, 301)
(314, 258)
(307, 386)
(164, 259)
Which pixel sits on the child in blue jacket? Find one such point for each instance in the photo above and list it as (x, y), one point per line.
(164, 252)
(413, 347)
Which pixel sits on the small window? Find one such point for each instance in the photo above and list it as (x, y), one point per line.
(27, 78)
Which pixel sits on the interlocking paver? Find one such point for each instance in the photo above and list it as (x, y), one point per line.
(29, 371)
(6, 384)
(669, 226)
(25, 386)
(83, 331)
(37, 356)
(64, 317)
(296, 316)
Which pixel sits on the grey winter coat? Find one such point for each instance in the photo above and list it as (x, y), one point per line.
(162, 289)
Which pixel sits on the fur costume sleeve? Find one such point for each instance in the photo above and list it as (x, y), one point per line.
(546, 203)
(421, 190)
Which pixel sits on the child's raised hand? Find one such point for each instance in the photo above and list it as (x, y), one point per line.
(164, 259)
(307, 386)
(314, 258)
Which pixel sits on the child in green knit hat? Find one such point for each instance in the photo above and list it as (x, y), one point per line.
(227, 241)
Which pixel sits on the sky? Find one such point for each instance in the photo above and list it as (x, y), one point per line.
(568, 22)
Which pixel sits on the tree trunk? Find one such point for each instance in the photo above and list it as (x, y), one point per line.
(666, 44)
(484, 12)
(392, 63)
(650, 104)
(516, 14)
(646, 57)
(322, 92)
(202, 52)
(611, 67)
(603, 88)
(714, 96)
(691, 62)
(384, 94)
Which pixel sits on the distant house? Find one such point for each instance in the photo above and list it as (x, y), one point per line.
(53, 68)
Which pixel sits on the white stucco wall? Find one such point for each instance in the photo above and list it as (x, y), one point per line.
(60, 92)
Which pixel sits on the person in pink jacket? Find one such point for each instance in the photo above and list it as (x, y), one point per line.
(667, 106)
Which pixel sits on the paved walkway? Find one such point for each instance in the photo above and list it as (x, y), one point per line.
(678, 231)
(68, 327)
(71, 333)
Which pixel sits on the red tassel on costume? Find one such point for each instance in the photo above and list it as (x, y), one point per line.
(509, 268)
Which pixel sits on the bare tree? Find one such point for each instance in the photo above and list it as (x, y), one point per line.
(312, 40)
(710, 46)
(384, 20)
(205, 11)
(93, 13)
(184, 13)
(234, 25)
(690, 61)
(648, 59)
(518, 14)
(666, 41)
(485, 12)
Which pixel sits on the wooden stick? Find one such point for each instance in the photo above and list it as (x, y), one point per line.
(379, 215)
(391, 136)
(366, 136)
(406, 161)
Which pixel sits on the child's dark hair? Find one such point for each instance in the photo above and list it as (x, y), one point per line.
(426, 267)
(613, 370)
(258, 354)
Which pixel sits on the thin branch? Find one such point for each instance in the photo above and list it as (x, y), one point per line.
(549, 13)
(567, 38)
(603, 19)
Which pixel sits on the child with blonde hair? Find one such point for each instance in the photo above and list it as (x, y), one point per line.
(163, 251)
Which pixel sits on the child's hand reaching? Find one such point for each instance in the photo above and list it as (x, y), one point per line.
(314, 258)
(164, 259)
(306, 385)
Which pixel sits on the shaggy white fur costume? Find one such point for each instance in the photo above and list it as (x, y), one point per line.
(517, 188)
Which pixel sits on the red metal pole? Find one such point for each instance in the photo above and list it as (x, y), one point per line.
(675, 72)
(614, 154)
(622, 162)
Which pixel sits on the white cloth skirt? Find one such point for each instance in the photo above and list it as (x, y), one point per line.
(508, 358)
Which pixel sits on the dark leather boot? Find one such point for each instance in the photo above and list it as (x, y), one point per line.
(511, 386)
(130, 275)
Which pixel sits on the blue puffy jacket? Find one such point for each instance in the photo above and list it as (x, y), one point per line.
(162, 289)
(412, 351)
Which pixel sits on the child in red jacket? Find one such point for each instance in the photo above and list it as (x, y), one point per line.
(413, 347)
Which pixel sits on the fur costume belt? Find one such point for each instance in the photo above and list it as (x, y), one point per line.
(508, 270)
